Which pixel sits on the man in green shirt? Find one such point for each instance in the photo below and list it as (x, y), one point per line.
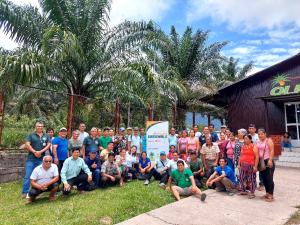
(105, 139)
(184, 183)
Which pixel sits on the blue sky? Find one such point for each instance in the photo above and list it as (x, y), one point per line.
(265, 31)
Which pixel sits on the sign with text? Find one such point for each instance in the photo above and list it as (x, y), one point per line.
(157, 138)
(283, 85)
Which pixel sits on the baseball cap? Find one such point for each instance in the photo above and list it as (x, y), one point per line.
(92, 149)
(63, 129)
(136, 128)
(122, 129)
(223, 126)
(129, 128)
(162, 153)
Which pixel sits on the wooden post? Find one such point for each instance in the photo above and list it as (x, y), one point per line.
(128, 115)
(174, 114)
(70, 113)
(150, 112)
(2, 106)
(117, 115)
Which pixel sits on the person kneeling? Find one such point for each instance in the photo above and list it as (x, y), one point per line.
(94, 164)
(71, 174)
(111, 174)
(223, 177)
(44, 178)
(184, 183)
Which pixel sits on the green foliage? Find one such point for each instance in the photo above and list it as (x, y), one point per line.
(118, 203)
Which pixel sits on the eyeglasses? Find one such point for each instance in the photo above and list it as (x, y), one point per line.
(48, 161)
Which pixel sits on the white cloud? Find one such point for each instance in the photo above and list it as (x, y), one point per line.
(139, 10)
(247, 15)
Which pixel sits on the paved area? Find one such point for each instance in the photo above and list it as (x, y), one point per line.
(221, 209)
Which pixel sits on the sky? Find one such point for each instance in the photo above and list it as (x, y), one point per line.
(262, 31)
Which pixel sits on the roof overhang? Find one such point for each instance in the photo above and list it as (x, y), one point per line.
(281, 98)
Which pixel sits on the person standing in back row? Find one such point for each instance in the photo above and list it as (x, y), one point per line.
(36, 144)
(136, 140)
(82, 133)
(105, 139)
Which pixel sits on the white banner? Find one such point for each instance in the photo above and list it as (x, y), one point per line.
(157, 138)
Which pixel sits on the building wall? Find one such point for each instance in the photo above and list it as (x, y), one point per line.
(245, 107)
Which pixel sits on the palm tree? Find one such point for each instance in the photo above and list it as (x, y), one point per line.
(193, 62)
(80, 53)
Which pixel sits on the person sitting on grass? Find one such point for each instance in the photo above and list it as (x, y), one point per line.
(223, 177)
(172, 164)
(72, 175)
(145, 168)
(94, 164)
(185, 184)
(110, 172)
(160, 171)
(196, 167)
(171, 151)
(44, 178)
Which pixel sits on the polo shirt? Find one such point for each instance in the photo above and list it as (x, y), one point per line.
(90, 142)
(62, 147)
(214, 136)
(104, 141)
(38, 143)
(182, 179)
(42, 176)
(228, 172)
(172, 140)
(136, 141)
(202, 139)
(145, 163)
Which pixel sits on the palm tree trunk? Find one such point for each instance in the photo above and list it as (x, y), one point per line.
(194, 118)
(117, 115)
(150, 112)
(174, 114)
(128, 115)
(70, 115)
(2, 106)
(208, 119)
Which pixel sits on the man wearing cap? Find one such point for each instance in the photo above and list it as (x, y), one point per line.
(184, 183)
(75, 172)
(160, 171)
(91, 142)
(120, 141)
(111, 174)
(105, 139)
(60, 148)
(196, 167)
(252, 132)
(44, 178)
(36, 144)
(128, 137)
(136, 140)
(94, 164)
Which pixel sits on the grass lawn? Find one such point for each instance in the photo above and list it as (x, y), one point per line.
(295, 218)
(117, 203)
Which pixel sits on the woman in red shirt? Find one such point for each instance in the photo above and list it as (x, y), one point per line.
(248, 166)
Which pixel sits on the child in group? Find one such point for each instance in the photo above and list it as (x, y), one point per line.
(170, 154)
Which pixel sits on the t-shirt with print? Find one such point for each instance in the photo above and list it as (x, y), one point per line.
(195, 165)
(182, 179)
(228, 172)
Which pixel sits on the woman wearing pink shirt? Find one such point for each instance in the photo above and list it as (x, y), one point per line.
(229, 152)
(265, 148)
(193, 143)
(182, 145)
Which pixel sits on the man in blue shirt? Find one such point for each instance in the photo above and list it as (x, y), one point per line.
(223, 177)
(214, 135)
(172, 137)
(60, 148)
(36, 144)
(94, 164)
(91, 142)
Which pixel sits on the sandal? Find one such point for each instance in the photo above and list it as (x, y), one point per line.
(269, 199)
(264, 196)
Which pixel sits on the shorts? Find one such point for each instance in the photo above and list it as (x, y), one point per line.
(184, 191)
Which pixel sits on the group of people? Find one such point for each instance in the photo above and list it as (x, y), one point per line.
(102, 158)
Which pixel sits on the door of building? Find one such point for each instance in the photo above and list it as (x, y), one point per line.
(292, 121)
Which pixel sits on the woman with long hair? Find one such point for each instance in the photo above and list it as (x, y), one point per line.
(229, 152)
(265, 148)
(182, 145)
(248, 162)
(222, 143)
(193, 143)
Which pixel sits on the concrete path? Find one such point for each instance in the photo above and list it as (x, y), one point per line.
(221, 209)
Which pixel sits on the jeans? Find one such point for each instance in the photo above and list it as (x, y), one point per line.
(163, 178)
(96, 177)
(35, 192)
(29, 167)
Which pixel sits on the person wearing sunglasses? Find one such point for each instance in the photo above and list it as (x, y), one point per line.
(44, 178)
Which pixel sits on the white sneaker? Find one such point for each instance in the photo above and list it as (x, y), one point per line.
(27, 196)
(146, 182)
(162, 185)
